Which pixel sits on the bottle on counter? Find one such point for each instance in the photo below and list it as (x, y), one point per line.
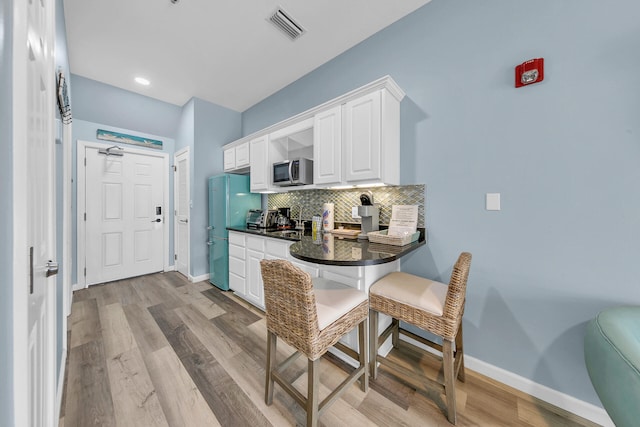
(316, 227)
(327, 216)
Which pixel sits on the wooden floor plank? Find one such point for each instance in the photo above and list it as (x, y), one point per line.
(157, 339)
(116, 334)
(148, 335)
(181, 400)
(89, 401)
(228, 402)
(134, 397)
(194, 297)
(84, 322)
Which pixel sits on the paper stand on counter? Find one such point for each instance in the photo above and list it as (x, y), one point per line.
(404, 220)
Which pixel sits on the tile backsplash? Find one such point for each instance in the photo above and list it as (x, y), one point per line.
(312, 201)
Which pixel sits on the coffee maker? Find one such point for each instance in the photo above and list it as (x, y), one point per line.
(369, 214)
(283, 220)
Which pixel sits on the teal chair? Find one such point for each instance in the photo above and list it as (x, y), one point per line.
(612, 356)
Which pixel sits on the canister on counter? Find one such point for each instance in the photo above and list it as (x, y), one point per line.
(327, 216)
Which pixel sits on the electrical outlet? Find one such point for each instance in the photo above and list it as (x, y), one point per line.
(354, 212)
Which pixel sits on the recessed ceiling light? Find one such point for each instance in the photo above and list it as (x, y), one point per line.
(142, 81)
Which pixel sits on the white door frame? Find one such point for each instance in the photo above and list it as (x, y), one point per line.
(81, 197)
(67, 227)
(175, 204)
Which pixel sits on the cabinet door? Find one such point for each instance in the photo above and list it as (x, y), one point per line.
(327, 147)
(362, 141)
(242, 155)
(259, 172)
(254, 278)
(229, 157)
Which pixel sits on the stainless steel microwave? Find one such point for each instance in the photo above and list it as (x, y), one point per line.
(293, 172)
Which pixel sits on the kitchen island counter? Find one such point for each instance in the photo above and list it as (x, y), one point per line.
(329, 249)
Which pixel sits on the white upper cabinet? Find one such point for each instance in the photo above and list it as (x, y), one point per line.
(327, 147)
(353, 139)
(236, 158)
(260, 172)
(371, 145)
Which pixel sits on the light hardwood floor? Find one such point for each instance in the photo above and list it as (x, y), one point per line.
(160, 351)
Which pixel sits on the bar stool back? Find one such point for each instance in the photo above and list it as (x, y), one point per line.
(311, 317)
(428, 305)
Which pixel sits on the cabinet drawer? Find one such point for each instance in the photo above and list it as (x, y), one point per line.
(277, 248)
(236, 238)
(237, 266)
(255, 243)
(236, 251)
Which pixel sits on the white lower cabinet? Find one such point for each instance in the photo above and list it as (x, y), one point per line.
(255, 287)
(237, 263)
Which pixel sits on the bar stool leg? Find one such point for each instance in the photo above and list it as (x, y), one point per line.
(271, 365)
(363, 343)
(312, 392)
(395, 336)
(373, 344)
(460, 354)
(449, 379)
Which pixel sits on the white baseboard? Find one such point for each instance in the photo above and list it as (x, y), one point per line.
(76, 287)
(60, 387)
(561, 400)
(170, 268)
(201, 278)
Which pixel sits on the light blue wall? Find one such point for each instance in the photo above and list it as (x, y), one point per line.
(86, 131)
(102, 103)
(186, 126)
(6, 215)
(564, 155)
(214, 126)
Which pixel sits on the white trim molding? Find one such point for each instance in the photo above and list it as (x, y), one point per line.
(554, 397)
(561, 400)
(200, 278)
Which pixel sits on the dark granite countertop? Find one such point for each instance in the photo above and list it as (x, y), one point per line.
(333, 250)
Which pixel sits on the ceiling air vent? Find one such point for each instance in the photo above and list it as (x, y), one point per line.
(286, 24)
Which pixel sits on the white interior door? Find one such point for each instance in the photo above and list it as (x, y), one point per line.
(124, 206)
(34, 214)
(181, 197)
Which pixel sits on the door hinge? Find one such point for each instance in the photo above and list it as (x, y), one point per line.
(85, 216)
(85, 161)
(175, 257)
(85, 272)
(175, 168)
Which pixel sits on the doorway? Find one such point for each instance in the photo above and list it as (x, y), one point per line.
(182, 201)
(122, 212)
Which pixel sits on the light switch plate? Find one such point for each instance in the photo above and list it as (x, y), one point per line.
(492, 201)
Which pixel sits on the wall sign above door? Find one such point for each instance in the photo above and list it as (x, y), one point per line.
(122, 138)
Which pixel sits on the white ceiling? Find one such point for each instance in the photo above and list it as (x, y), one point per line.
(222, 51)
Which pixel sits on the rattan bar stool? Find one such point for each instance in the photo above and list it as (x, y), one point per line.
(311, 316)
(428, 305)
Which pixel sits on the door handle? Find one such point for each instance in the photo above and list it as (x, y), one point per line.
(209, 242)
(183, 220)
(156, 220)
(52, 268)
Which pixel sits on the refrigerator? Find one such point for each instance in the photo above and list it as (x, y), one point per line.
(229, 201)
